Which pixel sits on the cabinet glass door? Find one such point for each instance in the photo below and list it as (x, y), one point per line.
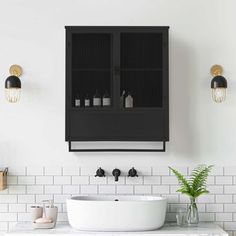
(91, 70)
(141, 69)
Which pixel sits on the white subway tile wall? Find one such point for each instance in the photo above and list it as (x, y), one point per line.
(31, 185)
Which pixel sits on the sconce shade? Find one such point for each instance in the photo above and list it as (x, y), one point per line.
(12, 82)
(218, 82)
(12, 88)
(218, 86)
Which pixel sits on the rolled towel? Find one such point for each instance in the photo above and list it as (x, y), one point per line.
(43, 220)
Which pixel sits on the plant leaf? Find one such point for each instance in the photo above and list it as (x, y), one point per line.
(185, 187)
(196, 184)
(200, 193)
(198, 178)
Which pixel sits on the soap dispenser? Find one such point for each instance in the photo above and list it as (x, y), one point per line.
(51, 211)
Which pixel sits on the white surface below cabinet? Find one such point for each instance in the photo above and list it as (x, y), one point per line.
(203, 229)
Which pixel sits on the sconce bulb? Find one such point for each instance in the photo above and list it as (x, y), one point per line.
(12, 89)
(218, 94)
(12, 94)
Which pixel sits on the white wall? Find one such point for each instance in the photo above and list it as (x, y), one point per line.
(202, 33)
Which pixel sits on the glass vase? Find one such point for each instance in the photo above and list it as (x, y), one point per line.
(192, 213)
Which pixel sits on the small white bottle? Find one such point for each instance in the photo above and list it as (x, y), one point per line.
(87, 101)
(106, 100)
(97, 101)
(77, 101)
(51, 212)
(129, 101)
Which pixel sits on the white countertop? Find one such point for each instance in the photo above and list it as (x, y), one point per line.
(202, 229)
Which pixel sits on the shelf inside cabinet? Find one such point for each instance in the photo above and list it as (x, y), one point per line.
(91, 69)
(141, 69)
(92, 109)
(141, 109)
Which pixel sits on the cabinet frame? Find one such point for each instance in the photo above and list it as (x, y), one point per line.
(115, 32)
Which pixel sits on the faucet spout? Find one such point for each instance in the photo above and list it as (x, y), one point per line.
(116, 174)
(116, 178)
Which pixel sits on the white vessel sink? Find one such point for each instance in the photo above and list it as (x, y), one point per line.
(116, 213)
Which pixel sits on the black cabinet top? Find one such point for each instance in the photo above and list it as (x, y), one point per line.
(118, 27)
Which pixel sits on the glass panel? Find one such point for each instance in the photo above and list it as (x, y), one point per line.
(91, 51)
(141, 70)
(145, 87)
(86, 84)
(141, 50)
(91, 70)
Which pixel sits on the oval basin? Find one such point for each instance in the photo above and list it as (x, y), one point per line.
(116, 213)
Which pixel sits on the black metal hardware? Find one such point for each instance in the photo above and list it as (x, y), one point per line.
(163, 149)
(132, 173)
(100, 172)
(116, 174)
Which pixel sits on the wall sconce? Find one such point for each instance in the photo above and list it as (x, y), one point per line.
(13, 84)
(218, 84)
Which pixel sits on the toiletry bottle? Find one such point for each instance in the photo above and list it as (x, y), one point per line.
(122, 99)
(36, 212)
(97, 99)
(129, 101)
(87, 101)
(77, 101)
(51, 211)
(106, 100)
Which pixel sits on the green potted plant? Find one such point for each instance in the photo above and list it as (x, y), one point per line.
(193, 187)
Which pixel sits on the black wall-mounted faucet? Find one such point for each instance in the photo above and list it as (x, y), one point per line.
(100, 172)
(132, 173)
(116, 173)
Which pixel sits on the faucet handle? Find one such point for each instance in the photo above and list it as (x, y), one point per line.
(116, 173)
(132, 173)
(100, 172)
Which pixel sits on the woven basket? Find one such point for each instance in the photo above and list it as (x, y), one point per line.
(3, 179)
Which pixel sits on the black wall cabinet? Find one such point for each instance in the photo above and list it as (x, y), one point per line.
(112, 60)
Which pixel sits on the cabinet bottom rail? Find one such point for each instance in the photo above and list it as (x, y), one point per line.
(163, 149)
